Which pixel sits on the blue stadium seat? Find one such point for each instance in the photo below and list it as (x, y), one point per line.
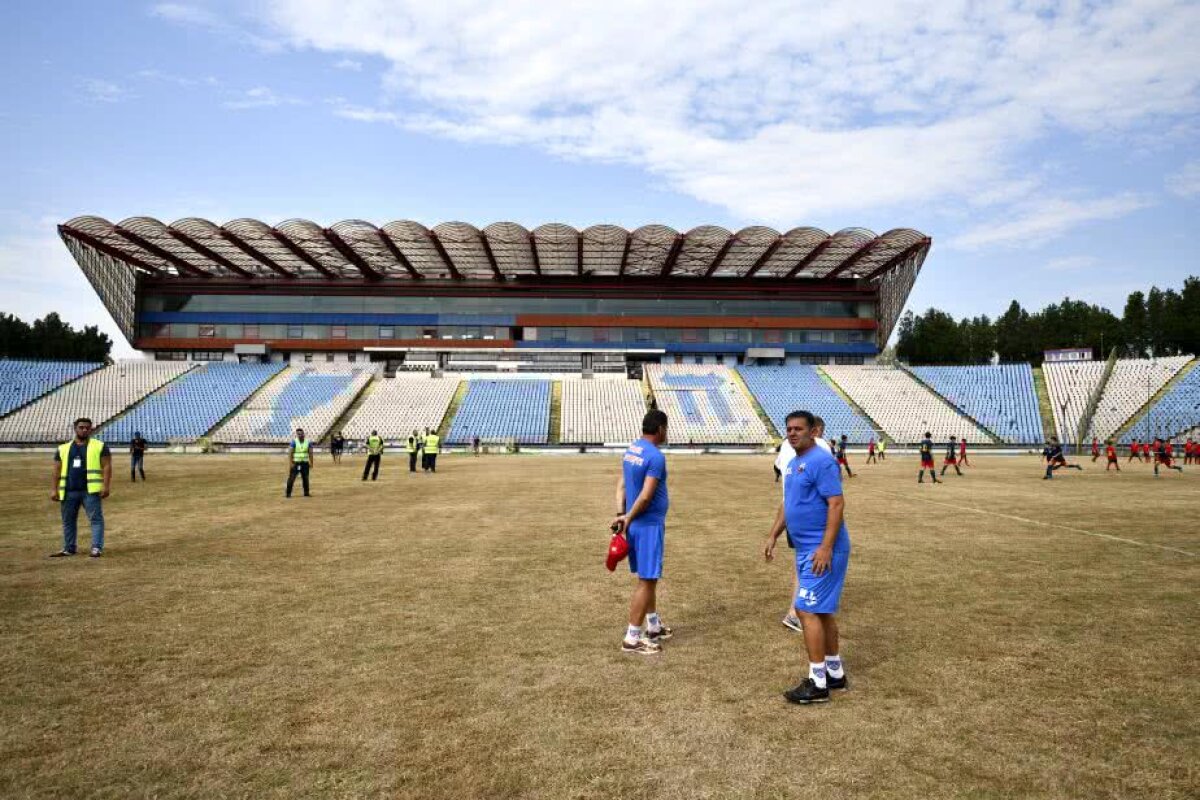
(22, 382)
(1176, 413)
(1001, 397)
(189, 407)
(781, 390)
(501, 410)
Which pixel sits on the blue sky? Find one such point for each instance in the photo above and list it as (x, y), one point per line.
(1050, 149)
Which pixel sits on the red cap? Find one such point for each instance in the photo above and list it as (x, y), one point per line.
(618, 548)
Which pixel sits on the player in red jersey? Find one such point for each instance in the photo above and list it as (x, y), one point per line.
(871, 451)
(962, 453)
(1189, 451)
(1111, 452)
(951, 457)
(1135, 451)
(1164, 455)
(1095, 449)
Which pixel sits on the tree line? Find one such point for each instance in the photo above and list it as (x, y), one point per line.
(51, 339)
(1155, 323)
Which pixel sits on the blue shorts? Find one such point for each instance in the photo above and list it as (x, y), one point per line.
(646, 548)
(820, 595)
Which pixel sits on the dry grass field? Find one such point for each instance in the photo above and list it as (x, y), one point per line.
(456, 636)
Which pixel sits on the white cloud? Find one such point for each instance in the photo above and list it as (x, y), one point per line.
(1186, 182)
(200, 17)
(779, 111)
(1071, 263)
(101, 91)
(348, 64)
(1044, 219)
(260, 97)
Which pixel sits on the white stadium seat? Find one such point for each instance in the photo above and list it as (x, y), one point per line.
(601, 410)
(398, 406)
(901, 406)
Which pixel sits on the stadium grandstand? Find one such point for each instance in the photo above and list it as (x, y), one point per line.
(781, 390)
(1175, 414)
(1001, 398)
(601, 411)
(1132, 384)
(22, 382)
(901, 406)
(312, 398)
(705, 405)
(398, 406)
(504, 410)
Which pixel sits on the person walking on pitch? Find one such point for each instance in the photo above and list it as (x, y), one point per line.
(1111, 452)
(82, 477)
(926, 450)
(642, 502)
(871, 451)
(812, 513)
(882, 449)
(433, 444)
(1095, 449)
(951, 457)
(374, 455)
(300, 462)
(411, 445)
(137, 457)
(1135, 451)
(840, 444)
(962, 452)
(337, 446)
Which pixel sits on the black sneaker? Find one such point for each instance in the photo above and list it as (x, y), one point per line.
(661, 635)
(836, 684)
(62, 554)
(807, 693)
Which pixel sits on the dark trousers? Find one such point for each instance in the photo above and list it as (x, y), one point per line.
(412, 461)
(372, 459)
(431, 462)
(425, 461)
(135, 466)
(300, 469)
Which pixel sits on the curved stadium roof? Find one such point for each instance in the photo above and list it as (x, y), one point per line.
(248, 249)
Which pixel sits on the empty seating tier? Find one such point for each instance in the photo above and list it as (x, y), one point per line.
(514, 410)
(1070, 385)
(704, 405)
(902, 406)
(601, 411)
(24, 381)
(1132, 384)
(186, 409)
(100, 395)
(782, 390)
(311, 398)
(1176, 413)
(400, 405)
(1001, 398)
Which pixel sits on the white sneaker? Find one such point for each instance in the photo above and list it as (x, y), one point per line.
(793, 623)
(642, 647)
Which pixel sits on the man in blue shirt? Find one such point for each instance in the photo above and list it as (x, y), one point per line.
(642, 503)
(812, 513)
(82, 477)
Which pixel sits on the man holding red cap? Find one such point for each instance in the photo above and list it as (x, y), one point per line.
(642, 500)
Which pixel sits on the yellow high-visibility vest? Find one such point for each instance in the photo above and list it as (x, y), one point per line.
(300, 451)
(411, 445)
(374, 445)
(431, 444)
(95, 471)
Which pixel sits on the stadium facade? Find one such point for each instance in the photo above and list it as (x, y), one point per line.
(502, 297)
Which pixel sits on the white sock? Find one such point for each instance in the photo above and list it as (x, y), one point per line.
(653, 623)
(816, 671)
(633, 633)
(833, 666)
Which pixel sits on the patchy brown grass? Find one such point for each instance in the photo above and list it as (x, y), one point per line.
(456, 636)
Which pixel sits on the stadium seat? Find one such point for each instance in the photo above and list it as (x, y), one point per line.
(781, 390)
(1175, 414)
(515, 410)
(1132, 384)
(1001, 397)
(601, 410)
(186, 409)
(308, 397)
(900, 405)
(101, 395)
(398, 406)
(24, 381)
(705, 405)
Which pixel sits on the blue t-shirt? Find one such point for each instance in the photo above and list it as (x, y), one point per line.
(642, 459)
(77, 476)
(810, 480)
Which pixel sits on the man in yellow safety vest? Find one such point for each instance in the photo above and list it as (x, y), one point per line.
(410, 447)
(82, 476)
(432, 442)
(374, 455)
(300, 462)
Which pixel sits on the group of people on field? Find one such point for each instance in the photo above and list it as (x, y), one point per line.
(1160, 452)
(427, 446)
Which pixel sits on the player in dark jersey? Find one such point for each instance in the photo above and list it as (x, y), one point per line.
(1111, 452)
(840, 444)
(1055, 459)
(1135, 451)
(926, 450)
(1164, 454)
(951, 456)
